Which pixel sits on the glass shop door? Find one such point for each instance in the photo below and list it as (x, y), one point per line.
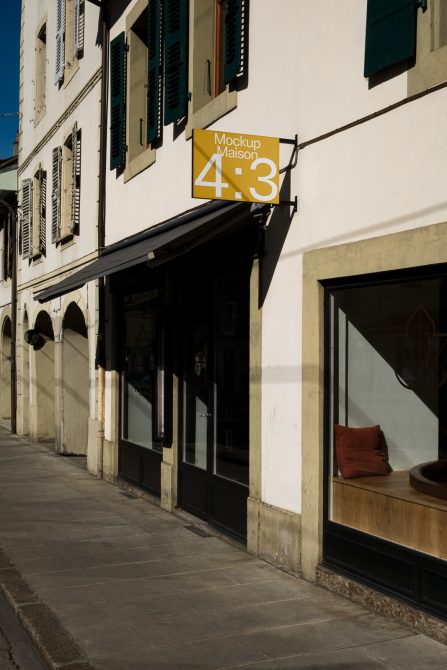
(214, 457)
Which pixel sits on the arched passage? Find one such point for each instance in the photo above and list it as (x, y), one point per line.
(5, 373)
(43, 381)
(75, 382)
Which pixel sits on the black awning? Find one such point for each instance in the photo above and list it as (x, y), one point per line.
(158, 244)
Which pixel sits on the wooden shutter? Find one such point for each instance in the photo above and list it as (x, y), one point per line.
(56, 195)
(390, 33)
(154, 70)
(117, 101)
(60, 41)
(27, 213)
(79, 26)
(75, 180)
(8, 232)
(232, 39)
(42, 211)
(175, 36)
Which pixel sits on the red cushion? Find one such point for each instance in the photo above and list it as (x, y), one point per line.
(359, 452)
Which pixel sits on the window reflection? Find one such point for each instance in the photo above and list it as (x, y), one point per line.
(141, 369)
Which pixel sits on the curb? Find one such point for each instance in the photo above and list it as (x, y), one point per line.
(55, 645)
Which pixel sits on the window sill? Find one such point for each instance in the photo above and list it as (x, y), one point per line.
(38, 116)
(66, 240)
(70, 71)
(36, 258)
(139, 163)
(214, 110)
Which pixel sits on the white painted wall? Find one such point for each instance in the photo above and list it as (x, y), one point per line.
(35, 275)
(58, 99)
(386, 175)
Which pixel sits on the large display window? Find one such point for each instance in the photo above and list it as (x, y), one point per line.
(386, 410)
(142, 365)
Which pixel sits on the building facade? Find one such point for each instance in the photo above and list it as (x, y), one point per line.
(277, 373)
(58, 173)
(8, 226)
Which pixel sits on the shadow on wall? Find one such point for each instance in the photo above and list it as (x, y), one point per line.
(275, 236)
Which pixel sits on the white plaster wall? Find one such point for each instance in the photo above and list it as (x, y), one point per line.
(57, 99)
(305, 77)
(87, 118)
(387, 175)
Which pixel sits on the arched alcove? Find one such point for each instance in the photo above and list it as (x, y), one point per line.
(5, 371)
(75, 382)
(43, 380)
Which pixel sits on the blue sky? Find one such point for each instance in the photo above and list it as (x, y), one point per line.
(9, 73)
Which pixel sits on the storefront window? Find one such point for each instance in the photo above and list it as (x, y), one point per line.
(387, 411)
(142, 371)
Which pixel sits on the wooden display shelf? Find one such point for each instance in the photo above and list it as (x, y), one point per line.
(389, 508)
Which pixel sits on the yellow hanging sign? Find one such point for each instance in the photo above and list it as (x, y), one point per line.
(232, 166)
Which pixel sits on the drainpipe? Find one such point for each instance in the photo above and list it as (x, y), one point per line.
(13, 230)
(100, 358)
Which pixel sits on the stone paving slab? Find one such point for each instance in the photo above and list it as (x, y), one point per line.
(109, 581)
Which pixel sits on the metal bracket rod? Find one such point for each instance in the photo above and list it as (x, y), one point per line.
(294, 157)
(290, 203)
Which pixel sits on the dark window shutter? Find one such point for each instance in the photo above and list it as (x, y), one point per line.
(7, 248)
(75, 211)
(154, 71)
(175, 24)
(79, 26)
(60, 41)
(232, 39)
(42, 211)
(390, 33)
(56, 195)
(27, 214)
(117, 101)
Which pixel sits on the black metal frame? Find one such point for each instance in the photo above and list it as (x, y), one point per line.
(209, 490)
(292, 163)
(403, 573)
(145, 462)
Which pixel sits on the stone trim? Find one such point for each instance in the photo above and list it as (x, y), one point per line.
(382, 604)
(408, 249)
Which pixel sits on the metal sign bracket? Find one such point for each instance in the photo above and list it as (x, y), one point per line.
(292, 163)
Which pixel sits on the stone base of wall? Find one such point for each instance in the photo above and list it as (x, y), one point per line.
(378, 602)
(168, 486)
(110, 460)
(274, 534)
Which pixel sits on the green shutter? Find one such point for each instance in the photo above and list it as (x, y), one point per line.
(175, 24)
(117, 101)
(390, 33)
(232, 39)
(153, 84)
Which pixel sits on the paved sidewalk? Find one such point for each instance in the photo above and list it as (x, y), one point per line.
(134, 589)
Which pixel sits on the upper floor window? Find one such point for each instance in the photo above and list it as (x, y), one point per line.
(69, 38)
(41, 72)
(176, 59)
(139, 152)
(34, 197)
(66, 188)
(398, 34)
(438, 24)
(390, 33)
(7, 226)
